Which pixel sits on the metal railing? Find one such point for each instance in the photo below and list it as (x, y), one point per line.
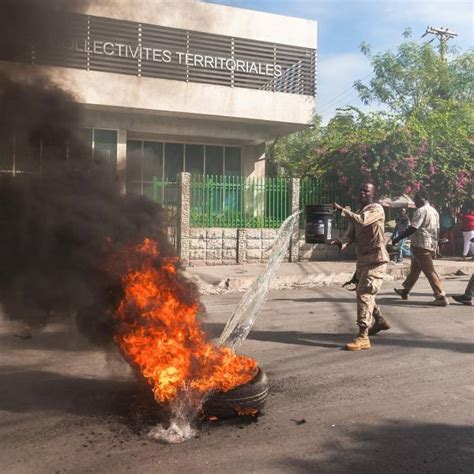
(239, 202)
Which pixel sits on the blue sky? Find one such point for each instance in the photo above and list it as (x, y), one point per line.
(344, 24)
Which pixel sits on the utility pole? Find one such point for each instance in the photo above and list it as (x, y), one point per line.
(443, 35)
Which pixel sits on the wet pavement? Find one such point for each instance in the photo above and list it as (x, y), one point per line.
(404, 406)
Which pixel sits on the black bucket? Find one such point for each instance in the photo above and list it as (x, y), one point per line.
(318, 223)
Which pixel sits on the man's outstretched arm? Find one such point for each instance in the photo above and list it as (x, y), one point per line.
(367, 217)
(347, 238)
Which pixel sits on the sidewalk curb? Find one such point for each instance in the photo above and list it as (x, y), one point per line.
(213, 285)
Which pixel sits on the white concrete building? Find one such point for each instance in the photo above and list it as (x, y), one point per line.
(170, 86)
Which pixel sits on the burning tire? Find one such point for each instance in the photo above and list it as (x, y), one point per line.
(248, 399)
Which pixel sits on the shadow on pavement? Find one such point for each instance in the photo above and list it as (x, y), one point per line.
(327, 299)
(37, 391)
(397, 447)
(338, 340)
(328, 340)
(399, 302)
(424, 343)
(46, 341)
(382, 299)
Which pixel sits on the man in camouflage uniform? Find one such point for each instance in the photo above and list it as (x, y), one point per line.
(366, 230)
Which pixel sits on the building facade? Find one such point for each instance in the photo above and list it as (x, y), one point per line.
(166, 87)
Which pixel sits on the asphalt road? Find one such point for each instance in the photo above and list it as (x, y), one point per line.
(405, 406)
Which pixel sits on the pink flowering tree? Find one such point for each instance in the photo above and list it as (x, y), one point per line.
(425, 141)
(432, 102)
(402, 156)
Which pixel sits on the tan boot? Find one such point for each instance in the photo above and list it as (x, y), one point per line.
(359, 343)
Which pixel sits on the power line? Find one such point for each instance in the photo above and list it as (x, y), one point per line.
(443, 35)
(341, 96)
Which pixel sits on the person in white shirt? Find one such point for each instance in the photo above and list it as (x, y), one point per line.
(424, 233)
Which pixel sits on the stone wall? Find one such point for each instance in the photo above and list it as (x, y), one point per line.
(321, 252)
(222, 246)
(258, 244)
(212, 246)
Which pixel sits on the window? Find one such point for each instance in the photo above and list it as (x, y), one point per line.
(147, 161)
(6, 153)
(152, 166)
(20, 153)
(33, 154)
(53, 152)
(195, 159)
(214, 160)
(174, 158)
(27, 153)
(105, 146)
(134, 167)
(80, 145)
(232, 166)
(144, 164)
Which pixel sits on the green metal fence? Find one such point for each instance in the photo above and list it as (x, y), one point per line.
(236, 201)
(321, 191)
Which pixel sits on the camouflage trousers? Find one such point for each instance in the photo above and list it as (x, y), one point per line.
(369, 284)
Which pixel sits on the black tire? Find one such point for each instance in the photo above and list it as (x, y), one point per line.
(243, 399)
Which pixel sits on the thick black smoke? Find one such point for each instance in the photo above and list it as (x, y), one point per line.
(60, 226)
(32, 107)
(58, 235)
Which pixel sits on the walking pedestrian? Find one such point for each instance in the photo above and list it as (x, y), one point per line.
(366, 230)
(466, 298)
(424, 232)
(447, 232)
(467, 229)
(402, 224)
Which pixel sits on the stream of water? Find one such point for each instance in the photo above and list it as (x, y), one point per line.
(244, 316)
(235, 332)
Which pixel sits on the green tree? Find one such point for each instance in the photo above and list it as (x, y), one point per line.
(424, 140)
(296, 155)
(402, 156)
(414, 78)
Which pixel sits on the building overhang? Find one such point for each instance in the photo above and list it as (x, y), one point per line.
(185, 127)
(161, 106)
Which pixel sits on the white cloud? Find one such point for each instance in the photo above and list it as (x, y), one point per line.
(336, 76)
(452, 14)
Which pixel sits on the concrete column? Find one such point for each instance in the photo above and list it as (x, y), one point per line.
(253, 160)
(241, 245)
(122, 160)
(184, 224)
(295, 206)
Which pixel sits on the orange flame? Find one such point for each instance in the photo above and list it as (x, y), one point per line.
(246, 411)
(159, 332)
